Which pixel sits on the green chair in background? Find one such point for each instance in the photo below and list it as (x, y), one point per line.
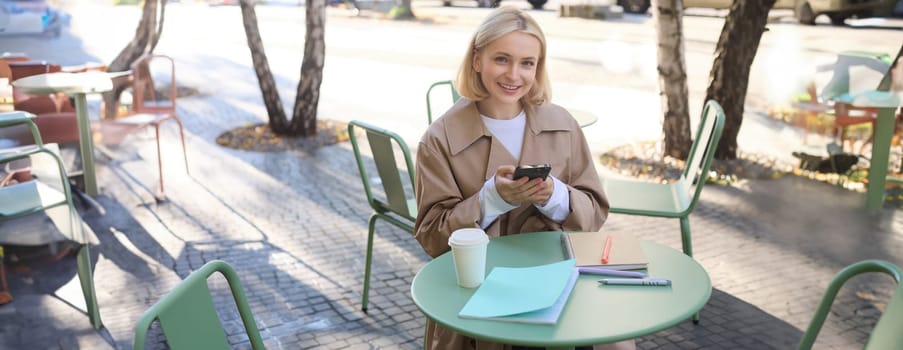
(679, 198)
(188, 317)
(887, 333)
(36, 196)
(454, 95)
(398, 207)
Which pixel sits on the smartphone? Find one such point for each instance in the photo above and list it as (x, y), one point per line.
(532, 171)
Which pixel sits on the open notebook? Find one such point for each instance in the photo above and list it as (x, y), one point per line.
(535, 294)
(625, 252)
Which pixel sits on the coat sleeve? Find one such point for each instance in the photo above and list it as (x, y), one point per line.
(441, 207)
(589, 206)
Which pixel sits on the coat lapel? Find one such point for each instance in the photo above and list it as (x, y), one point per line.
(468, 129)
(498, 156)
(533, 150)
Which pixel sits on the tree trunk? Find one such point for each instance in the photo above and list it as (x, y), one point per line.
(146, 37)
(159, 31)
(672, 73)
(734, 56)
(304, 116)
(277, 118)
(402, 10)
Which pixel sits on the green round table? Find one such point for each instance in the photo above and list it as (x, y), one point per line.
(584, 118)
(594, 314)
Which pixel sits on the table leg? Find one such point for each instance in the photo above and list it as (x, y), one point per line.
(86, 143)
(884, 131)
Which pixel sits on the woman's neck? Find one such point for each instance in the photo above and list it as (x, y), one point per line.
(497, 111)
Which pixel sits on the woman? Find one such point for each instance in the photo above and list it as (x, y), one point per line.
(466, 159)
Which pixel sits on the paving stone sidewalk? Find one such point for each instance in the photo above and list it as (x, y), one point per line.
(293, 224)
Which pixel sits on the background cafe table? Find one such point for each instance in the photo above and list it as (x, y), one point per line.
(77, 85)
(583, 118)
(594, 314)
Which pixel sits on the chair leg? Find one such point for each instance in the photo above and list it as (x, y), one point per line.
(687, 243)
(161, 195)
(685, 239)
(182, 135)
(427, 338)
(87, 281)
(371, 226)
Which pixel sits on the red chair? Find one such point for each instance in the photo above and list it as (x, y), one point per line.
(148, 109)
(847, 115)
(856, 70)
(56, 117)
(5, 59)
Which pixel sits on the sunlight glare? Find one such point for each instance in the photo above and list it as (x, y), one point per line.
(647, 58)
(615, 56)
(788, 72)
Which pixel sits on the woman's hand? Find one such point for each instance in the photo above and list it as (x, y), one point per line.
(523, 190)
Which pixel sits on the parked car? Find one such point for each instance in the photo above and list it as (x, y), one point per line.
(805, 11)
(29, 17)
(537, 4)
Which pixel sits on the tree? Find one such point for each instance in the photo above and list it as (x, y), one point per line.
(402, 10)
(734, 55)
(672, 73)
(304, 116)
(147, 35)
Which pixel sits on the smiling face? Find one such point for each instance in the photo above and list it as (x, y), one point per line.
(507, 69)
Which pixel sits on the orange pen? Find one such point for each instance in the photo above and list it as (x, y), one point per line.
(606, 250)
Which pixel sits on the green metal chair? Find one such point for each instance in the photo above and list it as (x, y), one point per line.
(398, 207)
(188, 317)
(679, 198)
(454, 95)
(31, 197)
(887, 332)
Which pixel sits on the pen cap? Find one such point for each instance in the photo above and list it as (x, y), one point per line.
(468, 237)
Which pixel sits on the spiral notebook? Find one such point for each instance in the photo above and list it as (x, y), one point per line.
(625, 252)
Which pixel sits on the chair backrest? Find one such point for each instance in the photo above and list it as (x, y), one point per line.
(887, 332)
(144, 93)
(429, 102)
(22, 69)
(5, 59)
(43, 200)
(708, 134)
(381, 146)
(8, 119)
(188, 317)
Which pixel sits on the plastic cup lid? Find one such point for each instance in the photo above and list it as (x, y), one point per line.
(468, 236)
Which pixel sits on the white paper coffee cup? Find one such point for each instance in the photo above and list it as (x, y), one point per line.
(469, 254)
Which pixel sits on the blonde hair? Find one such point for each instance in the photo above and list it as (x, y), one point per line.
(500, 22)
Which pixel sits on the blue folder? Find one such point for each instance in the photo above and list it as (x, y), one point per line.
(535, 294)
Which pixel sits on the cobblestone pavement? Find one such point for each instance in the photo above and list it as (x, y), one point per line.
(294, 225)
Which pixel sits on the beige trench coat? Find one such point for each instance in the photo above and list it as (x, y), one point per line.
(457, 154)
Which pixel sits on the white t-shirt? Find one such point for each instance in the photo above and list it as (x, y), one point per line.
(510, 133)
